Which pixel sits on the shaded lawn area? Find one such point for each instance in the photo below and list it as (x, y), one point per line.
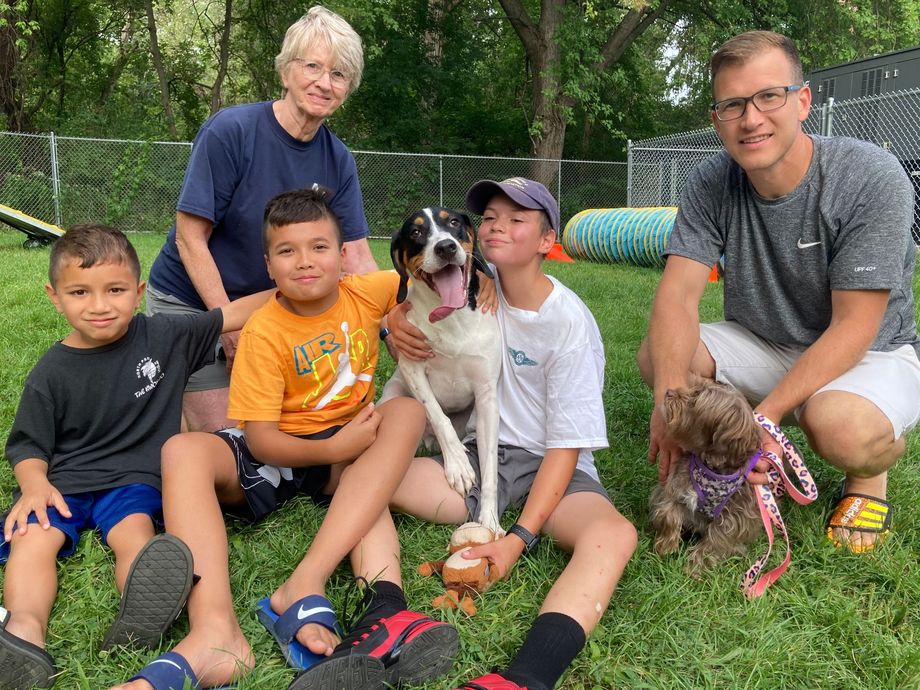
(835, 620)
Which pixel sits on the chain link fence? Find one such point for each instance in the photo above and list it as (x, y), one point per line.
(659, 167)
(134, 184)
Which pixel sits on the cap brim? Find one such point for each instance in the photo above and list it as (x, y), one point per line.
(480, 194)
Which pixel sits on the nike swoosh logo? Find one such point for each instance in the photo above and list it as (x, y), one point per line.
(806, 245)
(306, 613)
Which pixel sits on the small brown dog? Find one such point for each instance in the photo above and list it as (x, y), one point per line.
(708, 493)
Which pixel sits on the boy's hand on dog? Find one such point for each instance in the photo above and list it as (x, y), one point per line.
(357, 436)
(502, 554)
(661, 446)
(487, 299)
(35, 498)
(409, 340)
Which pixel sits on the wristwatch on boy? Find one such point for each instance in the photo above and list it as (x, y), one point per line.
(529, 538)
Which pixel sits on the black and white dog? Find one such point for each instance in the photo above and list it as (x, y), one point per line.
(437, 248)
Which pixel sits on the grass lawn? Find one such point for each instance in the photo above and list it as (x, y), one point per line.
(835, 620)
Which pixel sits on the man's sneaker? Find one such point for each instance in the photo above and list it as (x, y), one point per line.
(492, 681)
(406, 647)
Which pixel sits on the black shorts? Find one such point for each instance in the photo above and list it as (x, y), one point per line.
(268, 487)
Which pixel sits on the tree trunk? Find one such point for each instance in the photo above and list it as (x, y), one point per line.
(224, 57)
(543, 51)
(121, 59)
(433, 36)
(161, 71)
(10, 98)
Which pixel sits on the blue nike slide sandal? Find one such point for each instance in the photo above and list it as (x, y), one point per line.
(170, 671)
(311, 609)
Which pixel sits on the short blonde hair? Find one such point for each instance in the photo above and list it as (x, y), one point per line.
(741, 48)
(326, 28)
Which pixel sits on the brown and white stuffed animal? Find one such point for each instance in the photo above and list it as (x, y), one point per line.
(463, 578)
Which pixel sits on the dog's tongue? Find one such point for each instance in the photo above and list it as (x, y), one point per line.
(448, 283)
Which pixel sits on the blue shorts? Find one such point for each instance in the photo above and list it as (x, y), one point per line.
(100, 510)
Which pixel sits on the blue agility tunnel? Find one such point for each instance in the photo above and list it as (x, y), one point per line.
(629, 235)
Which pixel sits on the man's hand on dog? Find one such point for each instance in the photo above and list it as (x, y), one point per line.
(661, 446)
(502, 554)
(409, 340)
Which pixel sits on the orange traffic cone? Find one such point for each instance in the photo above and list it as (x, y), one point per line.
(557, 253)
(714, 274)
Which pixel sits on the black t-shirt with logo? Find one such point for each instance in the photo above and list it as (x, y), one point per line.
(99, 416)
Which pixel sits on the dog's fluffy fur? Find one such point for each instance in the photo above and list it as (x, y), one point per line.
(715, 422)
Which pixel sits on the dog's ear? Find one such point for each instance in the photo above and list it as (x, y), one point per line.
(472, 287)
(479, 261)
(395, 246)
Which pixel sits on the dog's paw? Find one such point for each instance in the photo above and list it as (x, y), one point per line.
(698, 562)
(489, 520)
(457, 469)
(666, 544)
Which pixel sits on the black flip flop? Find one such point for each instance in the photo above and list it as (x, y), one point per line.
(156, 589)
(23, 665)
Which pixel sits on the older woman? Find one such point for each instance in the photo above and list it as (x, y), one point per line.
(242, 157)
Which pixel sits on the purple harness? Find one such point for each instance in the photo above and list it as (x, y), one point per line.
(714, 490)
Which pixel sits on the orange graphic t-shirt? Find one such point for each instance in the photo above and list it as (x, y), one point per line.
(309, 373)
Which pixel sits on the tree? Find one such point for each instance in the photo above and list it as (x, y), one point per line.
(555, 89)
(160, 69)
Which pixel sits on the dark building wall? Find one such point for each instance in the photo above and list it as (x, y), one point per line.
(897, 71)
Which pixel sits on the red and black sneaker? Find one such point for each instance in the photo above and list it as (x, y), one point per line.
(491, 681)
(406, 647)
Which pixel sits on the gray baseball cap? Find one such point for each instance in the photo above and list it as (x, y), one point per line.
(524, 192)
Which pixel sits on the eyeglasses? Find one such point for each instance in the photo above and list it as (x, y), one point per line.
(769, 99)
(314, 71)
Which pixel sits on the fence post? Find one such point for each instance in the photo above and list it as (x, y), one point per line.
(55, 181)
(440, 180)
(559, 191)
(629, 164)
(830, 116)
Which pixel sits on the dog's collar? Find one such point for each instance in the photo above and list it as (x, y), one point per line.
(714, 490)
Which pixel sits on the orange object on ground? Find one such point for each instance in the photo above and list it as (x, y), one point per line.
(557, 253)
(714, 274)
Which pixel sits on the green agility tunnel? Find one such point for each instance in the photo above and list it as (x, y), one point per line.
(631, 235)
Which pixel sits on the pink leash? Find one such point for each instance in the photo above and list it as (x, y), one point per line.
(780, 483)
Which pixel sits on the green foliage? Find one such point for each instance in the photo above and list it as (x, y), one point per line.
(126, 180)
(451, 82)
(834, 620)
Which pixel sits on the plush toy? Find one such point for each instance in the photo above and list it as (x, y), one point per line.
(463, 578)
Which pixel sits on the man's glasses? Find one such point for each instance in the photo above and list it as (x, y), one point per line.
(765, 101)
(314, 71)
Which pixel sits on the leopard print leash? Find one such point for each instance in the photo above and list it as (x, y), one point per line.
(780, 483)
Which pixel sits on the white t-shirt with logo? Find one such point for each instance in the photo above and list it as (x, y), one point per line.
(549, 394)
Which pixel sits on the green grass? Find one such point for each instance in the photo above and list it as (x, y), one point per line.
(835, 620)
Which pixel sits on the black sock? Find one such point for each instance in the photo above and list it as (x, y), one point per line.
(553, 642)
(381, 600)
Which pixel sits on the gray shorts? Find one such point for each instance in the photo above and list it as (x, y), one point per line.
(517, 469)
(753, 365)
(210, 376)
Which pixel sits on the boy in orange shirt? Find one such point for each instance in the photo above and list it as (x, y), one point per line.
(302, 386)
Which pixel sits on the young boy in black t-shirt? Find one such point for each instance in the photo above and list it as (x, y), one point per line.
(85, 446)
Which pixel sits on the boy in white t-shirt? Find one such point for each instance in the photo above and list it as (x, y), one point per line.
(552, 418)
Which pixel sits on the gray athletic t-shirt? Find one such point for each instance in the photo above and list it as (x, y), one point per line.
(845, 227)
